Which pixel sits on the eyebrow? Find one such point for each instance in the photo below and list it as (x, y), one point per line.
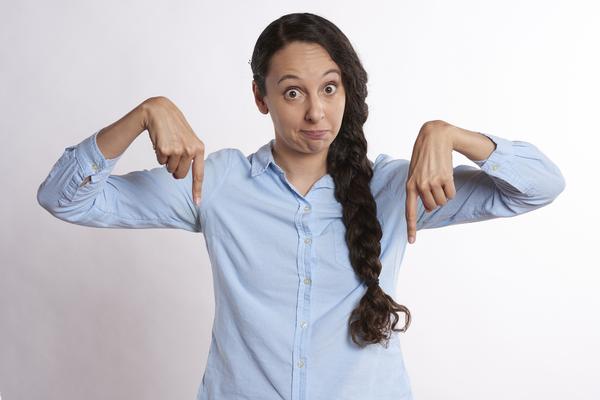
(290, 76)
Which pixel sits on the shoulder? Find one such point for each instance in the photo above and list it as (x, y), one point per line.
(389, 174)
(226, 164)
(221, 156)
(223, 160)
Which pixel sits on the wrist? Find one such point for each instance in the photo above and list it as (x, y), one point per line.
(442, 130)
(143, 114)
(472, 144)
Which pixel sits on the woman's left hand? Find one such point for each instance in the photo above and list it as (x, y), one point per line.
(431, 173)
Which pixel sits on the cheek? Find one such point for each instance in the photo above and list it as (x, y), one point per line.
(339, 109)
(291, 116)
(342, 104)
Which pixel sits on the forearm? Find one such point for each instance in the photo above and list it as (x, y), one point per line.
(473, 145)
(115, 138)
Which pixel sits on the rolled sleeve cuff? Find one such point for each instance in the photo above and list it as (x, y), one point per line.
(91, 161)
(500, 163)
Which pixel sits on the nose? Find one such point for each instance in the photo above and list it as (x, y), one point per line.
(315, 110)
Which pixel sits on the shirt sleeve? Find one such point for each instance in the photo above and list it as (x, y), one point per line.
(80, 189)
(516, 178)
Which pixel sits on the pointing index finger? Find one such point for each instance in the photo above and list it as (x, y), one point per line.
(411, 214)
(197, 178)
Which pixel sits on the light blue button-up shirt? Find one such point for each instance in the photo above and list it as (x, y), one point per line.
(283, 283)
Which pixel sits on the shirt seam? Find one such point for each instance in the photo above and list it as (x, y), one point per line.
(204, 205)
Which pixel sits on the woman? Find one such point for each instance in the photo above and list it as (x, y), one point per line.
(305, 235)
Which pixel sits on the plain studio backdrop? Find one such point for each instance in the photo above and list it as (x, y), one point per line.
(502, 309)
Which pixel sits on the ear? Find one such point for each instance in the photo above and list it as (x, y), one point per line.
(260, 103)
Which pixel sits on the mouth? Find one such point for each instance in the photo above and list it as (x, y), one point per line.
(315, 134)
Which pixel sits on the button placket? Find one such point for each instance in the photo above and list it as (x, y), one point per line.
(301, 340)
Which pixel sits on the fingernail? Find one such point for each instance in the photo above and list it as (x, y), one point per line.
(411, 239)
(197, 201)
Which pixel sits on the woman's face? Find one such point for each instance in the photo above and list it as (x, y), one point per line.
(312, 100)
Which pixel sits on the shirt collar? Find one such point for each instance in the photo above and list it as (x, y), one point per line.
(263, 157)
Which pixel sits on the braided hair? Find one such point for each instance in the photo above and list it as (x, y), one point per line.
(347, 163)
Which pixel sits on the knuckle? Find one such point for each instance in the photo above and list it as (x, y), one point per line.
(438, 180)
(423, 186)
(177, 150)
(166, 150)
(198, 149)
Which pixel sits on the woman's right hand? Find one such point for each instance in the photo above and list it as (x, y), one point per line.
(174, 141)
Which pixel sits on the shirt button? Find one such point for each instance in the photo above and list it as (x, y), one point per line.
(95, 167)
(303, 324)
(300, 364)
(494, 167)
(307, 281)
(307, 240)
(306, 208)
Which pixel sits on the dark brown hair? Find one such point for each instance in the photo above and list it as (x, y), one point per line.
(348, 165)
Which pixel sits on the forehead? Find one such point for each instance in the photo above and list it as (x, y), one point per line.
(305, 60)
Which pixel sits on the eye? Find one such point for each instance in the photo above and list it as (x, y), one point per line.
(333, 85)
(292, 90)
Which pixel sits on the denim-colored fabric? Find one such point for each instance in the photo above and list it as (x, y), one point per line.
(283, 283)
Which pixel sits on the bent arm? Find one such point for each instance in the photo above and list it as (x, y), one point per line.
(114, 139)
(79, 188)
(516, 178)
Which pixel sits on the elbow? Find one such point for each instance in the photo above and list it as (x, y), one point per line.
(556, 186)
(563, 182)
(44, 199)
(50, 201)
(546, 194)
(560, 185)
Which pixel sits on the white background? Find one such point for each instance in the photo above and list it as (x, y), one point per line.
(502, 309)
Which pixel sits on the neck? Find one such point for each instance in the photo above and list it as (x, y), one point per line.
(300, 166)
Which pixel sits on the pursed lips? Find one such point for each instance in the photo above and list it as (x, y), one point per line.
(315, 132)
